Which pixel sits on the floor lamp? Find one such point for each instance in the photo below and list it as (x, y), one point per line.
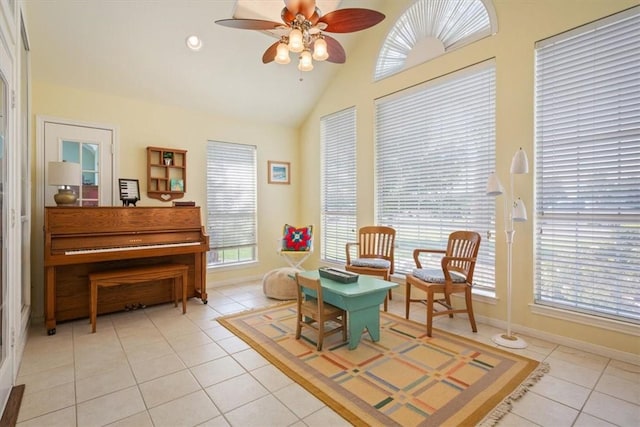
(514, 211)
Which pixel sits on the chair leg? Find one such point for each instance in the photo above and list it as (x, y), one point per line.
(386, 303)
(468, 299)
(299, 326)
(447, 299)
(407, 299)
(320, 334)
(390, 295)
(429, 311)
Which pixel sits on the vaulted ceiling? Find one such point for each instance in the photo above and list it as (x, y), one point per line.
(137, 49)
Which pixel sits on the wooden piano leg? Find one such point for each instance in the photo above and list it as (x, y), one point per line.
(201, 276)
(50, 300)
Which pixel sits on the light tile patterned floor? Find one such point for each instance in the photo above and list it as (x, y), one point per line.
(157, 367)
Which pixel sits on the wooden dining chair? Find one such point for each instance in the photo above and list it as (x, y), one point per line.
(455, 275)
(373, 253)
(314, 313)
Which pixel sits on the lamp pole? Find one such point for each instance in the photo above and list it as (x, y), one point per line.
(514, 210)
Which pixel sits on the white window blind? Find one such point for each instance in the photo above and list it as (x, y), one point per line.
(338, 139)
(435, 148)
(231, 203)
(588, 169)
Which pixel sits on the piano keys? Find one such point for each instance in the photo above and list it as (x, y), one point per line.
(84, 240)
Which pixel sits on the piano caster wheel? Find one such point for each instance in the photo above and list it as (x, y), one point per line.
(51, 331)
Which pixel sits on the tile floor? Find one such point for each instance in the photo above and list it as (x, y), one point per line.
(156, 367)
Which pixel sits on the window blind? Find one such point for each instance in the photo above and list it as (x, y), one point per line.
(588, 169)
(435, 148)
(338, 139)
(231, 202)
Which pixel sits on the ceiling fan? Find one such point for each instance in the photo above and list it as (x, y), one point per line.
(303, 32)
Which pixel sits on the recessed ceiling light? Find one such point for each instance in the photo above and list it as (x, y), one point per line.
(194, 43)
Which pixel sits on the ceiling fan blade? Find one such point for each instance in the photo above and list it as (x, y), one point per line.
(270, 54)
(350, 20)
(337, 55)
(249, 24)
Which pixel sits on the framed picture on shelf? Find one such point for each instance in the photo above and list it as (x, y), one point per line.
(129, 191)
(278, 172)
(176, 184)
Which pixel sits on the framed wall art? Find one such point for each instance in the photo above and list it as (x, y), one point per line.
(279, 172)
(129, 191)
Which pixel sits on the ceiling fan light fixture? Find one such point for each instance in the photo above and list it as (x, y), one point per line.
(306, 63)
(282, 54)
(296, 43)
(320, 52)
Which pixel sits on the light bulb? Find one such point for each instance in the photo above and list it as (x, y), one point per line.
(295, 41)
(282, 55)
(320, 52)
(305, 64)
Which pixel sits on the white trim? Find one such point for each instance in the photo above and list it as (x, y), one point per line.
(236, 281)
(586, 319)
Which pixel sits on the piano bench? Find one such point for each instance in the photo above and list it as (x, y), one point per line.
(129, 276)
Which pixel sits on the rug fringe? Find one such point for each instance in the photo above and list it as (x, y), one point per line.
(505, 406)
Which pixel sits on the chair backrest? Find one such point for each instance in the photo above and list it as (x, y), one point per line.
(464, 244)
(377, 241)
(311, 284)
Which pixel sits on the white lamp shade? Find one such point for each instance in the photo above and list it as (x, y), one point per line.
(320, 52)
(295, 41)
(282, 54)
(519, 212)
(520, 162)
(64, 173)
(305, 64)
(494, 186)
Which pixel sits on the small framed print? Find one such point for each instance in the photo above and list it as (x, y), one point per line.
(129, 191)
(279, 172)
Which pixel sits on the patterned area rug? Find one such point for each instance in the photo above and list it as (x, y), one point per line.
(405, 379)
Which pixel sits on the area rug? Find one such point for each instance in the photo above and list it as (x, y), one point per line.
(405, 379)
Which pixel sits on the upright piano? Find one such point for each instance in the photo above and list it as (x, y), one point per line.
(84, 240)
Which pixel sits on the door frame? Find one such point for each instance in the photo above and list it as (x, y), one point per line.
(37, 271)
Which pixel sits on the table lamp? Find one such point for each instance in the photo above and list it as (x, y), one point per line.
(64, 175)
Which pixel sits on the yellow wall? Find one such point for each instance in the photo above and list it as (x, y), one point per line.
(520, 24)
(141, 124)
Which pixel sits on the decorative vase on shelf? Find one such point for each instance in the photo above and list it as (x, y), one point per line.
(167, 161)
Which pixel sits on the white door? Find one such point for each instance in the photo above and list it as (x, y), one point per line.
(7, 226)
(90, 146)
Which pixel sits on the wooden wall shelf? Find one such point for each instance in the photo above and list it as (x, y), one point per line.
(166, 173)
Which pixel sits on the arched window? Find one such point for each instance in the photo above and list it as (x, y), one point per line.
(429, 28)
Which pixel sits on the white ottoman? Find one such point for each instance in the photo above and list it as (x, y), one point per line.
(279, 284)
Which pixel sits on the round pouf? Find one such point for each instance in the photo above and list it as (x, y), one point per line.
(279, 283)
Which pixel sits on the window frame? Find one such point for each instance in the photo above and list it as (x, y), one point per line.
(339, 187)
(232, 207)
(442, 112)
(587, 186)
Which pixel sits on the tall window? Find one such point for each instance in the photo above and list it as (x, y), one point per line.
(231, 203)
(338, 140)
(588, 169)
(435, 147)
